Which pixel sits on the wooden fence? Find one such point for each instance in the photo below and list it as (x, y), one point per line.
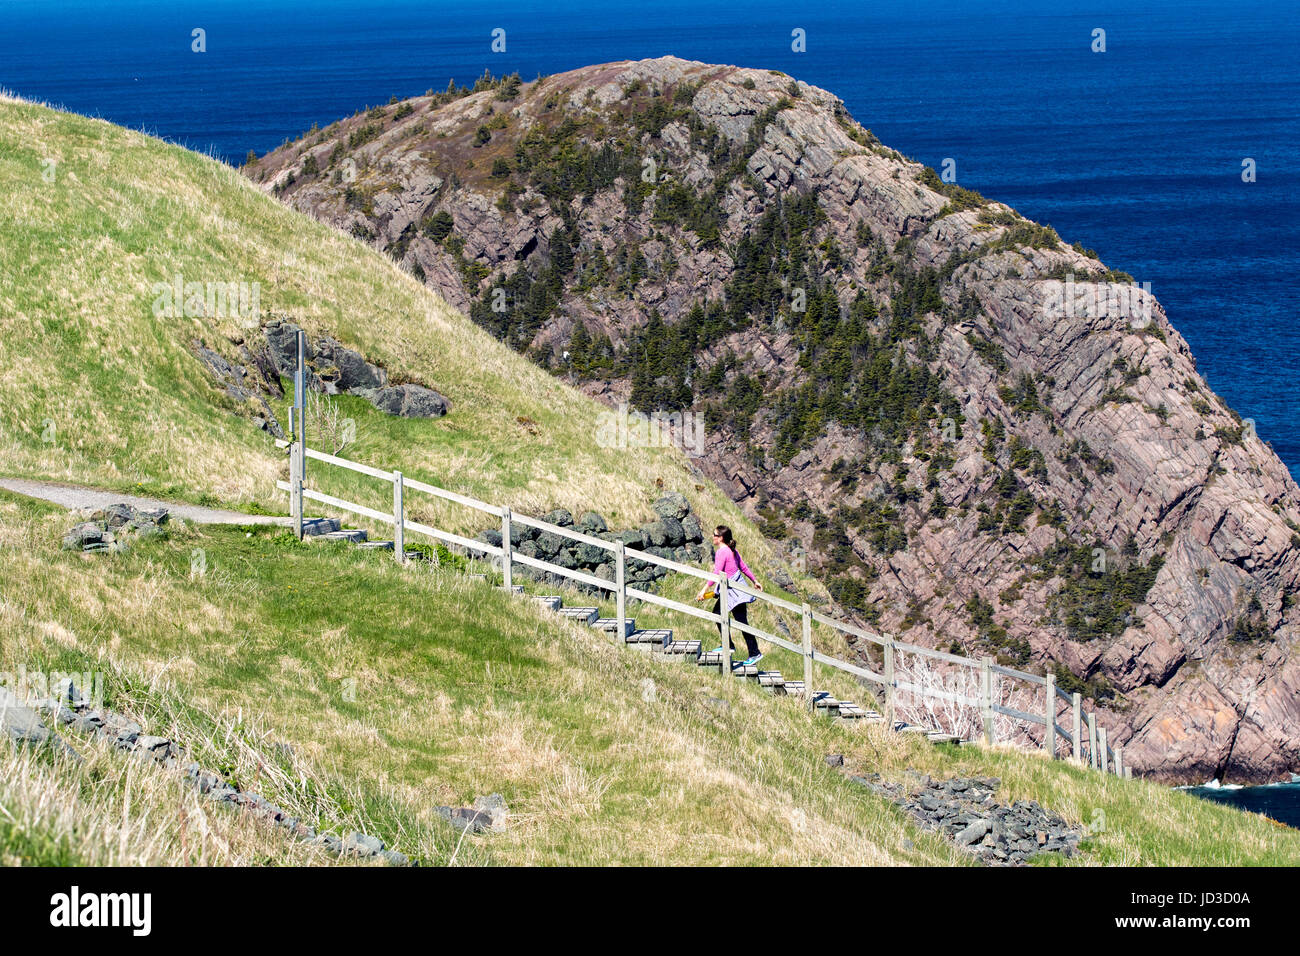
(1083, 739)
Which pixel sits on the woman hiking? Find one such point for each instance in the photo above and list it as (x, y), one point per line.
(728, 562)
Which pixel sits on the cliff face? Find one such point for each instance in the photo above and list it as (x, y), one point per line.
(980, 436)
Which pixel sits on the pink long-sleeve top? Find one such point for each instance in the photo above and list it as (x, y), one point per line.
(728, 562)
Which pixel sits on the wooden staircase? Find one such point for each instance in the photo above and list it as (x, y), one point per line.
(659, 642)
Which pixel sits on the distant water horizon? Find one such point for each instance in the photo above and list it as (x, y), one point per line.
(1135, 152)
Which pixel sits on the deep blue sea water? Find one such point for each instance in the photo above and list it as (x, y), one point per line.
(1281, 801)
(1135, 152)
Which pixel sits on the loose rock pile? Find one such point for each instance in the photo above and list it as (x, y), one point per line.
(964, 810)
(70, 708)
(676, 534)
(113, 528)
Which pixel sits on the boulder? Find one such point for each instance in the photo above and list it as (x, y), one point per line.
(407, 401)
(672, 505)
(655, 534)
(673, 532)
(692, 529)
(350, 371)
(560, 516)
(631, 539)
(592, 523)
(549, 544)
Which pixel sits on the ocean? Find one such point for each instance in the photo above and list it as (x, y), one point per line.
(1136, 151)
(1280, 801)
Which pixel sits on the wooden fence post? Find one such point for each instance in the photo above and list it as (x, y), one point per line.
(1076, 724)
(620, 583)
(1119, 761)
(1092, 741)
(295, 488)
(299, 423)
(724, 663)
(889, 680)
(506, 576)
(399, 519)
(986, 698)
(1101, 750)
(806, 611)
(1049, 738)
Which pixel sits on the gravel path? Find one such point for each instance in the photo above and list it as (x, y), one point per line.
(72, 497)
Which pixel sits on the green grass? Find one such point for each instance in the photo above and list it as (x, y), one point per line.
(462, 690)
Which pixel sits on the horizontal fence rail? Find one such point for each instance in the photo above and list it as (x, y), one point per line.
(1084, 738)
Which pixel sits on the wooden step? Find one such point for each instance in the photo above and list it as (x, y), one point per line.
(683, 650)
(584, 615)
(739, 669)
(770, 679)
(375, 545)
(610, 625)
(311, 527)
(795, 688)
(552, 602)
(355, 535)
(513, 589)
(655, 636)
(712, 659)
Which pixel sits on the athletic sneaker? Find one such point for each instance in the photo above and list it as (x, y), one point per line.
(716, 650)
(753, 660)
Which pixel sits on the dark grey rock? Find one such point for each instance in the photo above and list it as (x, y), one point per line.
(549, 544)
(675, 536)
(466, 819)
(655, 534)
(672, 505)
(835, 760)
(632, 539)
(692, 529)
(560, 516)
(590, 556)
(344, 369)
(407, 401)
(973, 832)
(592, 523)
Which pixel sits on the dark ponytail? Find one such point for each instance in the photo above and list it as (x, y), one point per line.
(725, 533)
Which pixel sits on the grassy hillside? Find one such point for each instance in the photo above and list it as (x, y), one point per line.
(98, 389)
(603, 755)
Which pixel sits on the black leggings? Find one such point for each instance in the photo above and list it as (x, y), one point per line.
(739, 613)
